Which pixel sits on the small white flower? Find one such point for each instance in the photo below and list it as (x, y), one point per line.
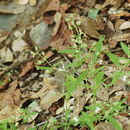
(124, 78)
(76, 119)
(100, 61)
(97, 110)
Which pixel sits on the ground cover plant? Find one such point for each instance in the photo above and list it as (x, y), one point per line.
(78, 79)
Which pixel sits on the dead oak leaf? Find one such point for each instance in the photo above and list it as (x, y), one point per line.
(12, 95)
(26, 69)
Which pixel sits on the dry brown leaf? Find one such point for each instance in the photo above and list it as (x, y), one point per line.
(26, 69)
(8, 98)
(53, 6)
(118, 24)
(120, 14)
(124, 121)
(63, 37)
(50, 11)
(57, 44)
(49, 54)
(89, 28)
(102, 94)
(10, 113)
(114, 3)
(49, 83)
(80, 103)
(104, 126)
(118, 37)
(117, 87)
(49, 98)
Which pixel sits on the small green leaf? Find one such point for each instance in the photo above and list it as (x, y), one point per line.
(43, 68)
(125, 48)
(114, 122)
(69, 51)
(99, 44)
(98, 49)
(115, 78)
(113, 58)
(99, 78)
(76, 64)
(93, 13)
(81, 77)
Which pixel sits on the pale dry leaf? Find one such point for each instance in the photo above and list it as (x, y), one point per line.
(19, 45)
(10, 113)
(8, 56)
(50, 83)
(57, 19)
(104, 126)
(102, 94)
(123, 120)
(32, 2)
(118, 37)
(125, 25)
(78, 92)
(117, 87)
(22, 2)
(51, 96)
(118, 24)
(80, 102)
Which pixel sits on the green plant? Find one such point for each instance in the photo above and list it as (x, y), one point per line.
(93, 13)
(26, 116)
(6, 125)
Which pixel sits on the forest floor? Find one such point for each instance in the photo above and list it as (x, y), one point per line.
(64, 65)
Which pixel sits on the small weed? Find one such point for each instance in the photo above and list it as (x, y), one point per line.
(93, 13)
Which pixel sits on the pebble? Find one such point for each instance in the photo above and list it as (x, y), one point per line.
(40, 34)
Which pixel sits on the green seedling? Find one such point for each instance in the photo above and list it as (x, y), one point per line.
(93, 13)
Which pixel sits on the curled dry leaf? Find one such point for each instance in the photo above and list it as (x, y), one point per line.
(118, 37)
(114, 3)
(22, 2)
(117, 87)
(57, 19)
(118, 24)
(125, 25)
(26, 69)
(50, 11)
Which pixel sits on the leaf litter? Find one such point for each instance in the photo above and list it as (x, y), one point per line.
(66, 66)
